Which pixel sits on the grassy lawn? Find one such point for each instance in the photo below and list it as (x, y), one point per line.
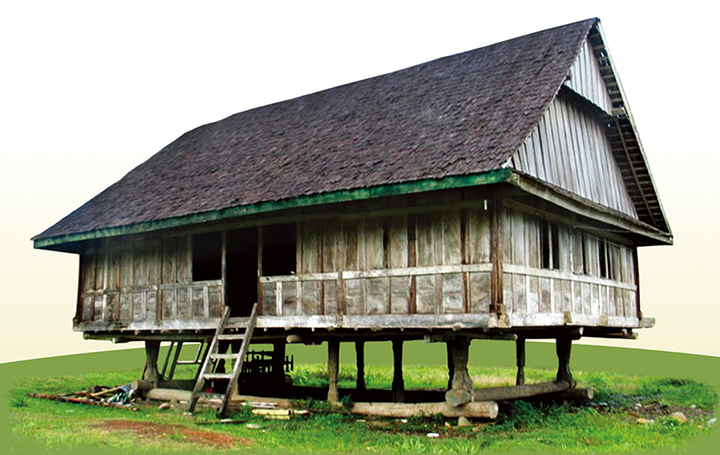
(609, 423)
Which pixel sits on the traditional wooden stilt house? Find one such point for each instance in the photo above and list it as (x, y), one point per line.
(497, 193)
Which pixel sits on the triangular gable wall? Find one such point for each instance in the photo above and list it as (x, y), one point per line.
(588, 143)
(585, 79)
(569, 149)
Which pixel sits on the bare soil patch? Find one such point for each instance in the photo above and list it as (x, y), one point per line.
(149, 431)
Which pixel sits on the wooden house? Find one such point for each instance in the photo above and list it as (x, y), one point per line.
(497, 193)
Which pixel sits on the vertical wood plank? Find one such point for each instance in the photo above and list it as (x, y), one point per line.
(400, 295)
(519, 251)
(452, 293)
(545, 302)
(399, 242)
(450, 241)
(425, 244)
(479, 292)
(425, 294)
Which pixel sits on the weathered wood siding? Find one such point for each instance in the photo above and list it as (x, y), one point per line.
(430, 255)
(586, 80)
(145, 282)
(569, 149)
(580, 289)
(420, 262)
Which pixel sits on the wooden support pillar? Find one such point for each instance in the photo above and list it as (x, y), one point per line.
(398, 384)
(360, 360)
(333, 370)
(520, 361)
(152, 352)
(278, 360)
(460, 392)
(451, 365)
(562, 348)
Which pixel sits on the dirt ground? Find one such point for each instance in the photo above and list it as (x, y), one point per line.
(146, 431)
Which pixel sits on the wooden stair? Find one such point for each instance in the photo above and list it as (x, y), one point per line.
(206, 371)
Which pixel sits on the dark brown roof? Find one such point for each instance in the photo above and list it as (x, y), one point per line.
(458, 115)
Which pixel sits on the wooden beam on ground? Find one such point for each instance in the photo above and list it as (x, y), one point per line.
(576, 394)
(483, 409)
(519, 391)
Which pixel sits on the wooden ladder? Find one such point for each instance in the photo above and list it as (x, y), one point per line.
(213, 355)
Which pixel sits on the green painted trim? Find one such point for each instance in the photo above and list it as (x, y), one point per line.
(487, 178)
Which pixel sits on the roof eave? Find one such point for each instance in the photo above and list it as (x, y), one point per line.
(648, 234)
(68, 242)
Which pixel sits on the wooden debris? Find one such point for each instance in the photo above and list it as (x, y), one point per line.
(81, 400)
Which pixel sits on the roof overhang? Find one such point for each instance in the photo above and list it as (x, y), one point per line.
(556, 196)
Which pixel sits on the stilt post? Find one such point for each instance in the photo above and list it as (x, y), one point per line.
(152, 352)
(398, 384)
(333, 370)
(460, 392)
(360, 360)
(562, 348)
(520, 361)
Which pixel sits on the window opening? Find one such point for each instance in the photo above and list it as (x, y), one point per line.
(549, 245)
(207, 256)
(279, 250)
(602, 255)
(584, 254)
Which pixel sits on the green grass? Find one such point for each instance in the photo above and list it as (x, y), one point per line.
(607, 424)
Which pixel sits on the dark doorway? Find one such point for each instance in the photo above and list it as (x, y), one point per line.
(241, 262)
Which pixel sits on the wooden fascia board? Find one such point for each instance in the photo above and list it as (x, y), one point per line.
(63, 242)
(588, 209)
(597, 27)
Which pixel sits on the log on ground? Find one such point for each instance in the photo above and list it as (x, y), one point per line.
(476, 409)
(519, 391)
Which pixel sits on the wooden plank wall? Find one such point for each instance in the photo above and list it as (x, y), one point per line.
(586, 80)
(421, 262)
(575, 291)
(145, 281)
(569, 149)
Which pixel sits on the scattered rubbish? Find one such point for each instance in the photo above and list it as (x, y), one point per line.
(679, 417)
(712, 421)
(433, 435)
(252, 426)
(117, 397)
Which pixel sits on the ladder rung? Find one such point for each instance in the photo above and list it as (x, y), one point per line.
(224, 356)
(217, 375)
(188, 362)
(212, 396)
(231, 337)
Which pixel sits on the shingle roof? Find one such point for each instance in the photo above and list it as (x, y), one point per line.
(459, 115)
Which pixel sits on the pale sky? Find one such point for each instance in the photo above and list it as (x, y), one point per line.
(89, 90)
